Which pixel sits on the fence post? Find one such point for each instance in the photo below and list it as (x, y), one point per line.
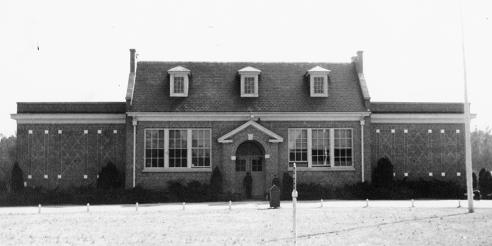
(136, 206)
(184, 205)
(230, 204)
(39, 208)
(294, 204)
(88, 207)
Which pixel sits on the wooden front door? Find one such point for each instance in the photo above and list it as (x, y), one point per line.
(249, 158)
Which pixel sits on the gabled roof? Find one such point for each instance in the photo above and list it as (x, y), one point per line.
(416, 107)
(179, 69)
(275, 138)
(319, 69)
(215, 87)
(249, 69)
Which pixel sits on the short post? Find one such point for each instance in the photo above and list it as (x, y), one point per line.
(294, 204)
(39, 208)
(88, 207)
(413, 203)
(184, 205)
(321, 203)
(459, 203)
(136, 206)
(230, 204)
(367, 203)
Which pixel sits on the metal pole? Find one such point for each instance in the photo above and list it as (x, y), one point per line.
(134, 122)
(468, 159)
(294, 204)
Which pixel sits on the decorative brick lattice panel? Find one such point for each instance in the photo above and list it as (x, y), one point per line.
(419, 152)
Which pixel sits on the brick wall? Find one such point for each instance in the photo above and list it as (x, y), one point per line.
(419, 152)
(71, 154)
(220, 158)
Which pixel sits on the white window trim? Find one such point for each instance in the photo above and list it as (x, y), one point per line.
(312, 75)
(330, 166)
(186, 82)
(253, 74)
(325, 85)
(189, 167)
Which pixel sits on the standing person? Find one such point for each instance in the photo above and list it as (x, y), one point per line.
(248, 183)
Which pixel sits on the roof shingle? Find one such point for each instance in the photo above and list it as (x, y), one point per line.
(214, 87)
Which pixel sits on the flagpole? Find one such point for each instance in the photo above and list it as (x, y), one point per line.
(468, 158)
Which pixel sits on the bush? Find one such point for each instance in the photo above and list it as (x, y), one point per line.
(474, 179)
(176, 190)
(485, 182)
(216, 184)
(196, 192)
(383, 173)
(17, 180)
(287, 183)
(109, 177)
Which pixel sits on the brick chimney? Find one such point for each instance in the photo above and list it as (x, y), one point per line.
(133, 65)
(359, 61)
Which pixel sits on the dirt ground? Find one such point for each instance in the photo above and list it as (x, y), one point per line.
(249, 223)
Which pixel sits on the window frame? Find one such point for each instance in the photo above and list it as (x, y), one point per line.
(189, 165)
(329, 166)
(186, 81)
(182, 91)
(245, 75)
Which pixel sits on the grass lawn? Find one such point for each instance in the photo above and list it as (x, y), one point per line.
(248, 223)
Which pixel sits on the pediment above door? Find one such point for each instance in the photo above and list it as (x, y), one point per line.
(274, 138)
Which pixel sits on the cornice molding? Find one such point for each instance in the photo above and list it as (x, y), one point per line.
(245, 116)
(69, 118)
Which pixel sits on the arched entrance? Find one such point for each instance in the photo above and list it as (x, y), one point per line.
(250, 158)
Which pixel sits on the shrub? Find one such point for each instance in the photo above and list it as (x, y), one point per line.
(196, 192)
(474, 178)
(216, 184)
(485, 182)
(287, 183)
(109, 177)
(176, 190)
(383, 173)
(17, 180)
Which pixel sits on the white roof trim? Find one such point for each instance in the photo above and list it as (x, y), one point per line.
(244, 116)
(275, 138)
(249, 69)
(418, 118)
(69, 118)
(178, 69)
(318, 69)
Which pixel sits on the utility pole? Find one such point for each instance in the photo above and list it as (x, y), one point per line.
(468, 158)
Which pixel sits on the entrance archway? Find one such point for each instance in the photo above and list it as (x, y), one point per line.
(250, 157)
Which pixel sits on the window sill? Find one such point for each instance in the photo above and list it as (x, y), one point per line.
(322, 169)
(177, 170)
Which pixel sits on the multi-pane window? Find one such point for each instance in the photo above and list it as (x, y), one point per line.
(249, 85)
(178, 84)
(177, 148)
(154, 148)
(298, 147)
(240, 165)
(343, 147)
(320, 147)
(256, 165)
(200, 148)
(319, 83)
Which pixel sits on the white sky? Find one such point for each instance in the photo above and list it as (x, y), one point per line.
(412, 48)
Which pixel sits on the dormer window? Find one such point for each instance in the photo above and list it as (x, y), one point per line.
(318, 78)
(179, 81)
(249, 81)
